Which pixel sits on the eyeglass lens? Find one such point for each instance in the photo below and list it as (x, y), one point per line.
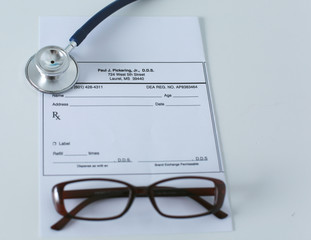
(96, 199)
(184, 197)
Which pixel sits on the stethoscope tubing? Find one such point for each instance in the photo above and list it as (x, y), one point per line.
(83, 31)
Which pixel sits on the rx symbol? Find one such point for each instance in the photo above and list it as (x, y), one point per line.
(56, 116)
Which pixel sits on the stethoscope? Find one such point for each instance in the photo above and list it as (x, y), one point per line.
(52, 69)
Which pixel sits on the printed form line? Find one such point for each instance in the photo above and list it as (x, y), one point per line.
(183, 105)
(75, 155)
(111, 105)
(113, 96)
(170, 105)
(146, 83)
(193, 160)
(185, 96)
(85, 162)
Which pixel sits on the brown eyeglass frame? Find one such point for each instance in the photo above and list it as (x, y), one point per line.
(59, 194)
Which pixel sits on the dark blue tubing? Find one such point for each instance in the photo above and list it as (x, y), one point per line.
(82, 32)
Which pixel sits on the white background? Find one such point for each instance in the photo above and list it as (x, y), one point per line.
(259, 64)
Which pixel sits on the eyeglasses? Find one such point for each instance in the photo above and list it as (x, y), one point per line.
(107, 199)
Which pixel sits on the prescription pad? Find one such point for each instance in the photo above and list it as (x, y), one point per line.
(140, 111)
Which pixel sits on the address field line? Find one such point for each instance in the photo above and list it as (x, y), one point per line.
(101, 105)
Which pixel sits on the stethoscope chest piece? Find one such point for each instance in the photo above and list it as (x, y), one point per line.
(52, 70)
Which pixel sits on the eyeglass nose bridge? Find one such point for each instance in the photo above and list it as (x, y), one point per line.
(141, 191)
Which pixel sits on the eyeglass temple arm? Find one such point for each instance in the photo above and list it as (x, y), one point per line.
(64, 220)
(219, 214)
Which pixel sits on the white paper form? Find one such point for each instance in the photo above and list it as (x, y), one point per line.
(140, 112)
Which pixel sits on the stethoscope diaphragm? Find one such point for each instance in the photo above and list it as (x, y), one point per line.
(52, 70)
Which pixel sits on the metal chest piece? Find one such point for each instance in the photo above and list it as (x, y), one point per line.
(52, 70)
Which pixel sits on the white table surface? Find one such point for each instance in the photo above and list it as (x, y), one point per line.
(258, 56)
